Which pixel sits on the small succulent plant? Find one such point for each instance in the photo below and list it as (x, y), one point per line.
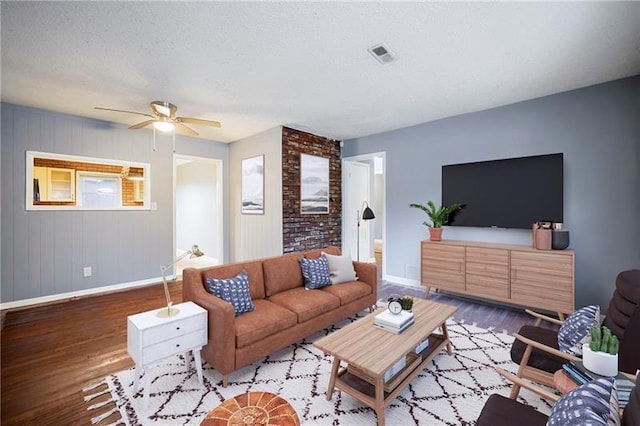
(406, 302)
(602, 340)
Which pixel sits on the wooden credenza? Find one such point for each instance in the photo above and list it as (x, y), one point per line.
(520, 275)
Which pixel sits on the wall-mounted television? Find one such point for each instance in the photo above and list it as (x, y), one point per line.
(507, 193)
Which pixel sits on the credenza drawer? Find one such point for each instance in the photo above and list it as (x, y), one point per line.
(442, 252)
(483, 286)
(487, 256)
(542, 264)
(443, 280)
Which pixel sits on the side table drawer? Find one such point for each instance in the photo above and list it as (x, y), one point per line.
(172, 329)
(174, 346)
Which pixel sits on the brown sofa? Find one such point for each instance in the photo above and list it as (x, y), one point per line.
(285, 311)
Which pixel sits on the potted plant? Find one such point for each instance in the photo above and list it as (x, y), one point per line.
(407, 303)
(601, 355)
(439, 216)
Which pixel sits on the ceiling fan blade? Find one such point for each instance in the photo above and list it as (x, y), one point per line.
(199, 121)
(121, 110)
(142, 124)
(186, 130)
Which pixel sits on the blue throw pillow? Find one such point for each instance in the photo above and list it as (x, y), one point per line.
(594, 403)
(315, 272)
(575, 329)
(233, 290)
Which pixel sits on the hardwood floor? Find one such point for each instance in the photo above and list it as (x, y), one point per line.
(49, 353)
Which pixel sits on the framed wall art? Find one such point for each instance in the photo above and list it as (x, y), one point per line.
(253, 185)
(314, 184)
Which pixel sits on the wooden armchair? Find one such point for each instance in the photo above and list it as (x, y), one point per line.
(536, 348)
(499, 410)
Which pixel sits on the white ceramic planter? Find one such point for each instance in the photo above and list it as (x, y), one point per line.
(600, 363)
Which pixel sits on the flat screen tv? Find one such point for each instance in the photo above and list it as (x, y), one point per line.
(509, 193)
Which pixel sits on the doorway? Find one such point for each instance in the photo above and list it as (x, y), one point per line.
(198, 210)
(364, 184)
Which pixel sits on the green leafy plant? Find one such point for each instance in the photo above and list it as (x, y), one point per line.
(406, 302)
(439, 216)
(602, 340)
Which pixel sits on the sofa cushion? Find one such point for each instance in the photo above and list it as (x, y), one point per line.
(254, 271)
(266, 319)
(305, 303)
(594, 403)
(348, 292)
(340, 268)
(575, 329)
(234, 290)
(282, 273)
(499, 410)
(315, 272)
(538, 359)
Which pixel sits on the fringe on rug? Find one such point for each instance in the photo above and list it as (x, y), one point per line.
(103, 416)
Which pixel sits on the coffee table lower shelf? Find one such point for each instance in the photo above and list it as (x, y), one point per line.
(360, 386)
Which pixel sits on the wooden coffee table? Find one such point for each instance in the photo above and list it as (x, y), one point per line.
(370, 352)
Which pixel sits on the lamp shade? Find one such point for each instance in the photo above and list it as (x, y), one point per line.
(367, 214)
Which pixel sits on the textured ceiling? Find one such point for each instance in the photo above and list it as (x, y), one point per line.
(257, 65)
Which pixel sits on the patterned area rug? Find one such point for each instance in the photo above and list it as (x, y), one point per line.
(450, 391)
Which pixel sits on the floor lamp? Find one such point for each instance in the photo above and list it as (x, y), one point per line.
(367, 214)
(169, 312)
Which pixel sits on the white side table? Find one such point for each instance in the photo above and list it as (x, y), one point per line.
(151, 338)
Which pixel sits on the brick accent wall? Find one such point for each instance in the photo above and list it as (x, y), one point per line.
(309, 231)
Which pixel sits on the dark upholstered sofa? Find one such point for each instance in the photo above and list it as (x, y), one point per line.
(285, 311)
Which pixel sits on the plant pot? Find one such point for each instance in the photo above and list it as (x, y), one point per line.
(435, 234)
(600, 363)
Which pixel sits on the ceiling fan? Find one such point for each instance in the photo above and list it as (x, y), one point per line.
(163, 117)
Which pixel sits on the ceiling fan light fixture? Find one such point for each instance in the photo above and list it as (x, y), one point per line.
(163, 126)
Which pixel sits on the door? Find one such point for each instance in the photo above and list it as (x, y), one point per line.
(357, 232)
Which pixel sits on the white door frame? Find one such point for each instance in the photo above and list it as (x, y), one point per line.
(359, 158)
(219, 198)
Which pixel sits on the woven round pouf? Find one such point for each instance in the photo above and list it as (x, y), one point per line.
(253, 408)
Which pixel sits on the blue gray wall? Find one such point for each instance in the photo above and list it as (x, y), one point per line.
(43, 252)
(597, 129)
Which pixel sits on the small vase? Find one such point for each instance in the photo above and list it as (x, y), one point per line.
(435, 234)
(600, 363)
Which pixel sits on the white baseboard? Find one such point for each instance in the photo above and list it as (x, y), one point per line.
(74, 294)
(401, 280)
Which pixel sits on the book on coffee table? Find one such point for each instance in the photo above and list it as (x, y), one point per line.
(393, 320)
(392, 329)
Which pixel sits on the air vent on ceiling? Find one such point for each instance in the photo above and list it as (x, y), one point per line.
(381, 53)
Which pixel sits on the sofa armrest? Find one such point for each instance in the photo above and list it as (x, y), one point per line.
(367, 273)
(221, 319)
